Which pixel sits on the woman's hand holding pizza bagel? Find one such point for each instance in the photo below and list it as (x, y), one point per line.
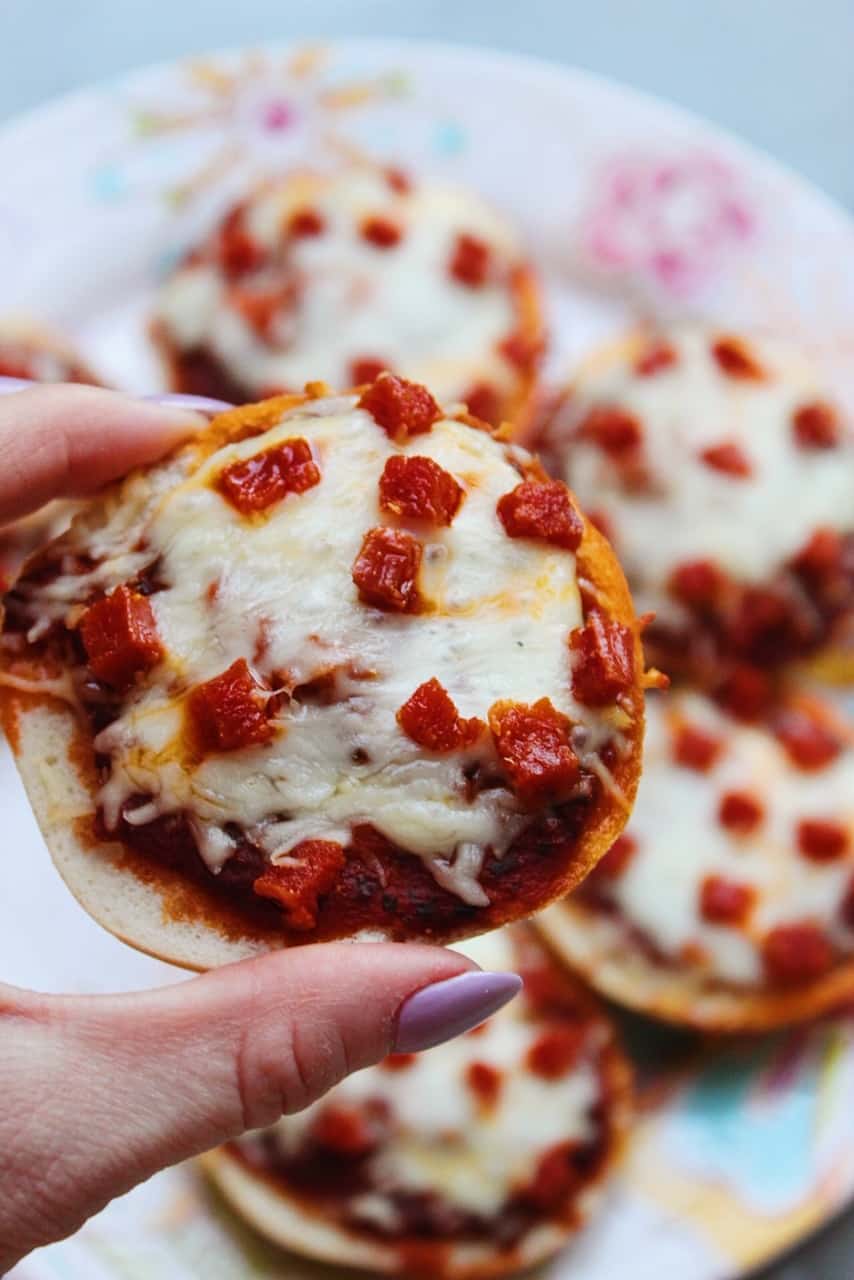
(100, 1092)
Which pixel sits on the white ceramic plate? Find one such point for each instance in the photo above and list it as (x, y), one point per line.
(630, 208)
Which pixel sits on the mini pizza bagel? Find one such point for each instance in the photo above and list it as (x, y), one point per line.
(341, 276)
(728, 902)
(474, 1159)
(723, 473)
(343, 666)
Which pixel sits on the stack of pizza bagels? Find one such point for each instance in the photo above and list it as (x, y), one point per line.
(723, 473)
(355, 664)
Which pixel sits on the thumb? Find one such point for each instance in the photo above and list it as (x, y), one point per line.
(100, 1092)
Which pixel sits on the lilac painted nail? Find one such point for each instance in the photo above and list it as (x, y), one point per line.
(203, 404)
(8, 385)
(447, 1009)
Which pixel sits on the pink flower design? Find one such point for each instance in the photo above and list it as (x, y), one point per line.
(671, 222)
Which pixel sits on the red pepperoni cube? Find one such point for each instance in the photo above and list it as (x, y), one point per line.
(696, 749)
(398, 1061)
(238, 252)
(399, 181)
(798, 952)
(401, 408)
(740, 812)
(533, 744)
(306, 222)
(822, 840)
(657, 357)
(386, 570)
(544, 510)
(312, 870)
(470, 261)
(259, 482)
(816, 426)
(483, 401)
(382, 233)
(419, 489)
(261, 308)
(821, 556)
(745, 692)
(485, 1082)
(603, 660)
(808, 743)
(725, 901)
(229, 712)
(697, 583)
(521, 350)
(346, 1130)
(555, 1052)
(734, 358)
(119, 634)
(430, 718)
(555, 1178)
(728, 458)
(615, 431)
(616, 860)
(366, 369)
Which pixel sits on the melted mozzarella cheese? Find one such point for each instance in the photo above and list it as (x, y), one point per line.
(277, 590)
(680, 841)
(399, 304)
(749, 527)
(442, 1140)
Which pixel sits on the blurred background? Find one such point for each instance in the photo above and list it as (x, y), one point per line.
(776, 72)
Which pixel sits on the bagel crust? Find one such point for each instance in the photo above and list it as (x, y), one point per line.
(728, 902)
(343, 666)
(539, 1099)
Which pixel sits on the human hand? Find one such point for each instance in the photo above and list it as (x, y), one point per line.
(99, 1092)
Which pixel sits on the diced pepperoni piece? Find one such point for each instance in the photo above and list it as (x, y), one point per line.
(430, 718)
(238, 252)
(808, 743)
(534, 746)
(797, 952)
(260, 308)
(821, 555)
(398, 1061)
(381, 232)
(734, 358)
(610, 867)
(697, 583)
(655, 359)
(554, 1180)
(312, 870)
(228, 712)
(419, 489)
(745, 692)
(345, 1130)
(521, 349)
(306, 222)
(725, 901)
(696, 749)
(615, 431)
(399, 181)
(483, 401)
(470, 261)
(119, 634)
(822, 840)
(259, 482)
(401, 408)
(728, 458)
(603, 659)
(816, 426)
(366, 369)
(740, 812)
(386, 570)
(541, 509)
(555, 1052)
(485, 1082)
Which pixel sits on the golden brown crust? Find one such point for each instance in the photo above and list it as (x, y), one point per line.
(595, 948)
(162, 912)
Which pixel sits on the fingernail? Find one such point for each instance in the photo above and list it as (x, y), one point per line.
(447, 1009)
(8, 385)
(200, 404)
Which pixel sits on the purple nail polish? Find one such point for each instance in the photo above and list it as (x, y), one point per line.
(8, 385)
(202, 404)
(447, 1009)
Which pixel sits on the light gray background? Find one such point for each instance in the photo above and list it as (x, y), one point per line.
(778, 72)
